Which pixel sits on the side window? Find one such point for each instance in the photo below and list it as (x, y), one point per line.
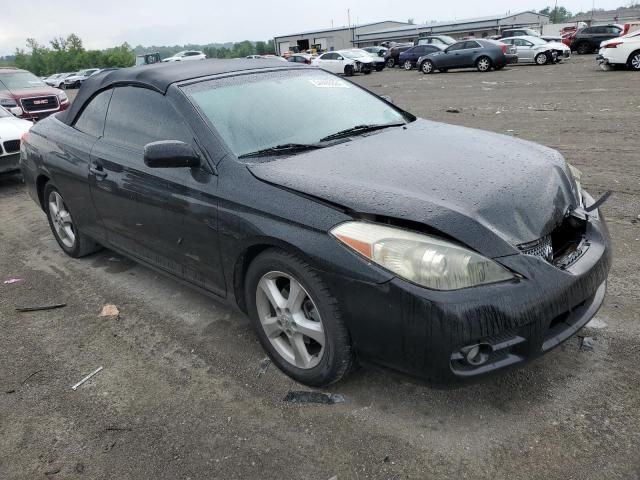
(138, 116)
(456, 46)
(589, 30)
(471, 45)
(91, 119)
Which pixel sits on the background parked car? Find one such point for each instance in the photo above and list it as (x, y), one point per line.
(300, 58)
(392, 58)
(58, 81)
(538, 51)
(74, 81)
(518, 32)
(409, 58)
(482, 54)
(379, 50)
(186, 55)
(621, 51)
(588, 39)
(341, 61)
(36, 99)
(378, 63)
(443, 40)
(11, 131)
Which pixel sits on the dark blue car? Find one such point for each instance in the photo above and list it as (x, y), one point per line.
(409, 58)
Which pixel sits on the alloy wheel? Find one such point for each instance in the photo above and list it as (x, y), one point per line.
(635, 61)
(484, 64)
(427, 67)
(541, 58)
(290, 320)
(61, 219)
(407, 65)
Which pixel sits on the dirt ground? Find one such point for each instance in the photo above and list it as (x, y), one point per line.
(184, 393)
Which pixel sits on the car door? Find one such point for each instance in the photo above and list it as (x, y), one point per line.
(164, 216)
(328, 61)
(452, 56)
(417, 52)
(524, 49)
(468, 53)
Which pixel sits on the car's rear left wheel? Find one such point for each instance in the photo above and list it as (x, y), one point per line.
(297, 319)
(74, 243)
(483, 64)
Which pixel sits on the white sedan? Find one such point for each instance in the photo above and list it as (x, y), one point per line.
(536, 50)
(344, 61)
(11, 131)
(186, 55)
(621, 51)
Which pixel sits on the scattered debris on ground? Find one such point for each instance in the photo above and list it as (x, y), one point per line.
(13, 280)
(586, 343)
(41, 307)
(110, 311)
(86, 378)
(264, 365)
(31, 375)
(452, 110)
(298, 396)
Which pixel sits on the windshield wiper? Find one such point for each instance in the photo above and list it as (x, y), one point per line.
(359, 129)
(284, 148)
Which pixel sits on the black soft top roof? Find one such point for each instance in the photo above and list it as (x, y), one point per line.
(159, 76)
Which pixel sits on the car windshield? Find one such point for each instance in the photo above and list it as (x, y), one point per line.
(447, 39)
(19, 80)
(260, 111)
(536, 40)
(352, 54)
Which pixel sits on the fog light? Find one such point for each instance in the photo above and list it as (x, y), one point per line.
(476, 355)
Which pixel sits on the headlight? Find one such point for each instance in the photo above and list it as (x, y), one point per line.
(62, 97)
(8, 102)
(423, 259)
(577, 175)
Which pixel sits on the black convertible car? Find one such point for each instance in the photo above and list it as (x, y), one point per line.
(349, 230)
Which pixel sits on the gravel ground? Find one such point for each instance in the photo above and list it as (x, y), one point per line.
(184, 393)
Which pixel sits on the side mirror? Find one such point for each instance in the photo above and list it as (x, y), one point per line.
(17, 111)
(170, 154)
(388, 98)
(340, 58)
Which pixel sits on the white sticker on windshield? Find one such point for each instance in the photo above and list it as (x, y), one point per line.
(328, 83)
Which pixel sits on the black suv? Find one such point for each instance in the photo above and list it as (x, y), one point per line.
(392, 57)
(588, 39)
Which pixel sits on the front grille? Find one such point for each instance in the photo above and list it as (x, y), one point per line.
(543, 247)
(12, 146)
(38, 104)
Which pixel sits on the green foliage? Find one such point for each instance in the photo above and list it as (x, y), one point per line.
(69, 55)
(556, 14)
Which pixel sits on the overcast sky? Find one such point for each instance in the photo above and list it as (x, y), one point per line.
(102, 24)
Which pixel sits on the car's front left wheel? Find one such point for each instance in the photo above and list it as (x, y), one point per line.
(74, 243)
(297, 319)
(541, 59)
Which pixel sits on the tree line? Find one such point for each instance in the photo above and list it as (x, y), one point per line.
(69, 55)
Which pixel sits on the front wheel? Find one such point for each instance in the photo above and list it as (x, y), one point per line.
(390, 63)
(483, 64)
(71, 240)
(583, 48)
(348, 70)
(634, 61)
(541, 59)
(297, 319)
(427, 67)
(408, 65)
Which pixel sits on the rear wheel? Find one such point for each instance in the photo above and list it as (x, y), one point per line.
(583, 48)
(390, 62)
(348, 70)
(541, 59)
(408, 65)
(634, 60)
(71, 240)
(297, 319)
(483, 64)
(427, 67)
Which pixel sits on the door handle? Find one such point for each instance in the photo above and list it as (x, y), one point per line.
(98, 171)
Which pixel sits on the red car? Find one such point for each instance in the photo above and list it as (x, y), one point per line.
(37, 100)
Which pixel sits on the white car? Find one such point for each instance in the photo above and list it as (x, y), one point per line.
(186, 55)
(532, 49)
(74, 81)
(11, 131)
(344, 61)
(378, 62)
(621, 51)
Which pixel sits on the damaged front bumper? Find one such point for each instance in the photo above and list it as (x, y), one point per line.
(455, 336)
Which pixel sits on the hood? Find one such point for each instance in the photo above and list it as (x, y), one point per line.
(558, 45)
(488, 191)
(34, 92)
(12, 128)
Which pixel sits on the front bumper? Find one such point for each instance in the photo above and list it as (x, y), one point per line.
(425, 333)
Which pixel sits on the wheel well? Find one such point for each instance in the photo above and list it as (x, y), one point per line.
(41, 182)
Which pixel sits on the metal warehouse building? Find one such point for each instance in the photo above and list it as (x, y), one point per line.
(333, 38)
(473, 27)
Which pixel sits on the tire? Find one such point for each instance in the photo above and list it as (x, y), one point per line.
(443, 70)
(78, 246)
(274, 271)
(634, 61)
(483, 64)
(541, 59)
(427, 67)
(391, 62)
(348, 70)
(583, 48)
(407, 65)
(379, 68)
